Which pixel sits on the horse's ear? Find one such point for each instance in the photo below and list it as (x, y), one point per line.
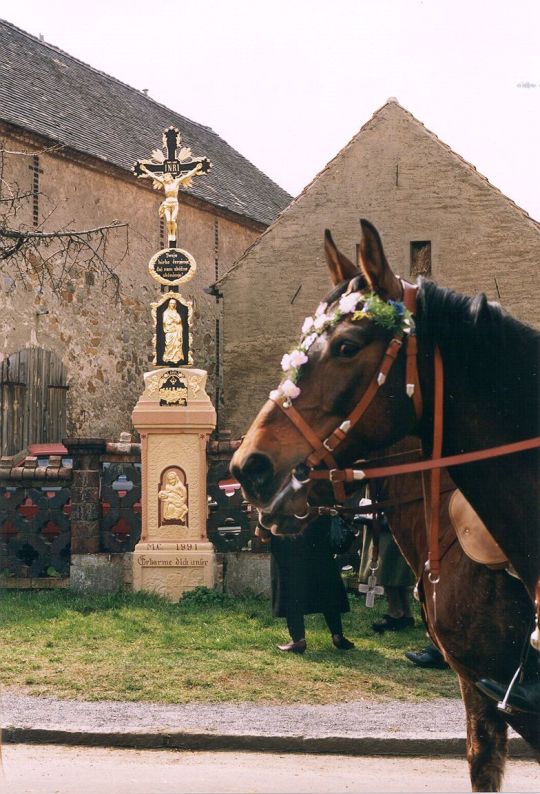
(341, 268)
(373, 263)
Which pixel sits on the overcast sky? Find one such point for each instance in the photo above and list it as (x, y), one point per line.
(289, 82)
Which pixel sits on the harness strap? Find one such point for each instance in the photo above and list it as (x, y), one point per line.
(321, 451)
(338, 435)
(412, 381)
(352, 475)
(309, 435)
(434, 554)
(410, 292)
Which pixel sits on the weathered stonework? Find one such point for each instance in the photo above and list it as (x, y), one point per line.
(105, 344)
(413, 187)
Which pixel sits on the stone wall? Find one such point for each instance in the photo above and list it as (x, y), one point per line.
(412, 187)
(105, 343)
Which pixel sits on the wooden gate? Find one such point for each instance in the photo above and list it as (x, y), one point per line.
(33, 387)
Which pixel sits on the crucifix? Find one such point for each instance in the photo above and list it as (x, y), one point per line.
(371, 589)
(169, 170)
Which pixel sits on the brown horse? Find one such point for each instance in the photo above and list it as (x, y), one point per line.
(491, 392)
(483, 619)
(480, 613)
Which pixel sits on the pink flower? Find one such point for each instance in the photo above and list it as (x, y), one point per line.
(347, 303)
(275, 394)
(308, 341)
(321, 308)
(286, 362)
(308, 325)
(321, 320)
(297, 358)
(290, 389)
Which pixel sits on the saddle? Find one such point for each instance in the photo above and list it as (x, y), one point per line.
(473, 535)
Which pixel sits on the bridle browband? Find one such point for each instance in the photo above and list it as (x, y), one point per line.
(323, 449)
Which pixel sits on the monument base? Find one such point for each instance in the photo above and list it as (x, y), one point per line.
(174, 416)
(171, 569)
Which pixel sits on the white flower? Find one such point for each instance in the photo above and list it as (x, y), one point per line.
(347, 303)
(297, 358)
(321, 320)
(275, 394)
(321, 308)
(308, 325)
(289, 389)
(286, 362)
(308, 341)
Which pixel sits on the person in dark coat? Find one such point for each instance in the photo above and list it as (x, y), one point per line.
(306, 580)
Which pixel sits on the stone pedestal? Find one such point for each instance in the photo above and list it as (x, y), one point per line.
(174, 554)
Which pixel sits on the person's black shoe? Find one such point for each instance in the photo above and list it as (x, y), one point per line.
(341, 642)
(429, 657)
(523, 697)
(388, 623)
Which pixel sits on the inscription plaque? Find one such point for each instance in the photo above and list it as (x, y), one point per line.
(172, 266)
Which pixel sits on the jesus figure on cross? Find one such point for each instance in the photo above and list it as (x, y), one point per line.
(169, 206)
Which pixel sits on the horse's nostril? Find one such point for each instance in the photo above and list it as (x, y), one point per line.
(256, 471)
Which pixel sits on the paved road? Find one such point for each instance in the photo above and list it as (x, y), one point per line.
(38, 769)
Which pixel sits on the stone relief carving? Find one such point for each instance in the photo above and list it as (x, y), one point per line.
(196, 383)
(173, 497)
(170, 448)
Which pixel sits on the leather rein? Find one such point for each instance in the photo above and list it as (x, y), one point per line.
(323, 449)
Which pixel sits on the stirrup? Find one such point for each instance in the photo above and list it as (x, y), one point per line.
(503, 704)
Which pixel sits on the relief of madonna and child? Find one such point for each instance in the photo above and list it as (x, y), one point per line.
(173, 497)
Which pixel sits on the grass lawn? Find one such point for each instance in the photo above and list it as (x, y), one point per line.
(209, 647)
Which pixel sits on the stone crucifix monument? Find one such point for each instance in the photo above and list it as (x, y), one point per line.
(174, 415)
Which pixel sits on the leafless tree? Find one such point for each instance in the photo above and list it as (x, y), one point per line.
(53, 258)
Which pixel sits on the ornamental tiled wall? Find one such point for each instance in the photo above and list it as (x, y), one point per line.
(106, 345)
(411, 186)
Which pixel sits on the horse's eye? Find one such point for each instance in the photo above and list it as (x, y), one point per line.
(347, 349)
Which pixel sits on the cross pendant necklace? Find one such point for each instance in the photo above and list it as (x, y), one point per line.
(371, 589)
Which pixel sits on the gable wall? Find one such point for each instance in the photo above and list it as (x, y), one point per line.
(480, 242)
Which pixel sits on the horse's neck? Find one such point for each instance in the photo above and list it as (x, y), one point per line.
(406, 520)
(503, 490)
(490, 366)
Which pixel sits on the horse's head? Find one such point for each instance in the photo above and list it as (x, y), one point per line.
(326, 375)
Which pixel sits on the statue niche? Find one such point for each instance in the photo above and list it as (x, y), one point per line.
(173, 497)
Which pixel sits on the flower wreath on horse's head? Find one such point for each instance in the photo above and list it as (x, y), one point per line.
(391, 315)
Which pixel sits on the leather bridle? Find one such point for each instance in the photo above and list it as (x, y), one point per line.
(323, 450)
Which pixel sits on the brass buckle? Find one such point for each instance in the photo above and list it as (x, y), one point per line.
(332, 475)
(326, 445)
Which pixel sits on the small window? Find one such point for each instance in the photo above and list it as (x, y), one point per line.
(421, 258)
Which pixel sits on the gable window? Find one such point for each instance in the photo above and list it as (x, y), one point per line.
(421, 258)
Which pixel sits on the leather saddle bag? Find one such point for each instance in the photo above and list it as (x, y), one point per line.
(473, 535)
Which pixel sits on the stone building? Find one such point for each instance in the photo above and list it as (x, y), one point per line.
(69, 136)
(436, 214)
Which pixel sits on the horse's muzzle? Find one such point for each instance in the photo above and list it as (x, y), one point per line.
(256, 476)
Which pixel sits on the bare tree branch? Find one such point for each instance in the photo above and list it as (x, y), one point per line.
(10, 233)
(53, 257)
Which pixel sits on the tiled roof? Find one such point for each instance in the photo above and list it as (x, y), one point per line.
(50, 93)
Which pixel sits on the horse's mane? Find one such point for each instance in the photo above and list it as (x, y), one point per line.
(498, 355)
